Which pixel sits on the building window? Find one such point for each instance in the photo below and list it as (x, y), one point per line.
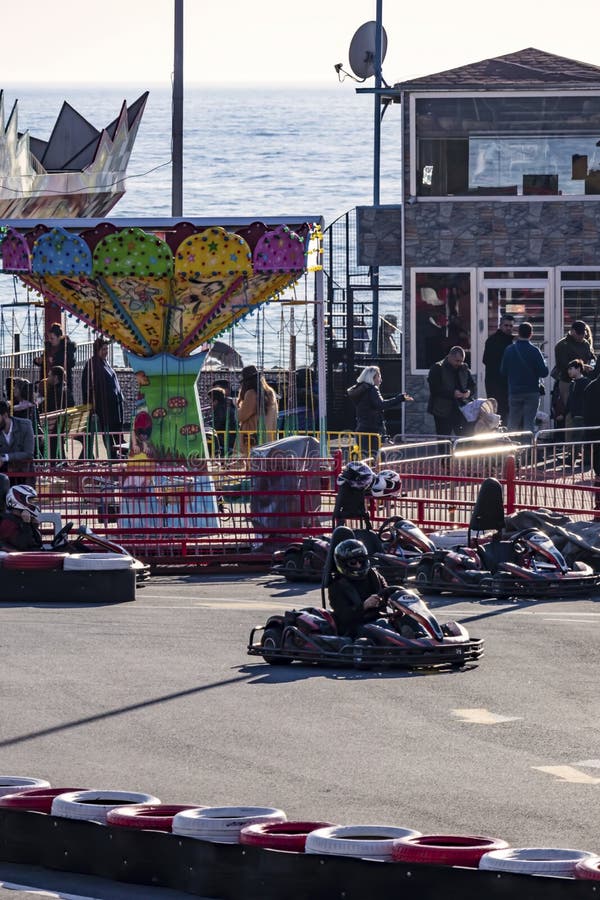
(508, 145)
(442, 316)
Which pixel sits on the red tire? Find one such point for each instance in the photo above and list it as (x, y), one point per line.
(280, 835)
(32, 559)
(157, 816)
(445, 849)
(34, 799)
(588, 869)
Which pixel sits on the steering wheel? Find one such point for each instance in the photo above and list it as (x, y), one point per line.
(386, 530)
(60, 538)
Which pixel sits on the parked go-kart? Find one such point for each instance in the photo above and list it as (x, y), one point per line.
(407, 634)
(527, 564)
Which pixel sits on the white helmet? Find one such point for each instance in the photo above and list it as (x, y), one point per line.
(386, 483)
(22, 497)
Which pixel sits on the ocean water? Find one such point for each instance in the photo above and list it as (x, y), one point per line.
(247, 151)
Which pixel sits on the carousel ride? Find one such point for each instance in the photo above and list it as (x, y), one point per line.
(163, 294)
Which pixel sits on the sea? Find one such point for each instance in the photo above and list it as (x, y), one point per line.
(251, 151)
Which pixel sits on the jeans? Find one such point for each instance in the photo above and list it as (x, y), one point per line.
(522, 410)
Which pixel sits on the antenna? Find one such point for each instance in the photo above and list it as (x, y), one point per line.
(362, 50)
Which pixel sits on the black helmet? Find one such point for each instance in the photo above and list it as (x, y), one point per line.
(351, 559)
(357, 475)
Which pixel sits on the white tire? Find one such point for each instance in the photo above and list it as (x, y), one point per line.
(94, 805)
(222, 824)
(365, 841)
(11, 784)
(95, 562)
(534, 860)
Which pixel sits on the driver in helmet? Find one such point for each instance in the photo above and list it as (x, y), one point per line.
(18, 528)
(354, 596)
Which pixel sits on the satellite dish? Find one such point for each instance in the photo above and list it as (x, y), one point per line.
(362, 50)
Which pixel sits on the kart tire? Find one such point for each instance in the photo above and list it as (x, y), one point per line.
(363, 841)
(272, 639)
(11, 784)
(290, 836)
(93, 806)
(534, 860)
(423, 580)
(445, 849)
(34, 799)
(223, 824)
(95, 562)
(292, 570)
(588, 868)
(30, 560)
(157, 816)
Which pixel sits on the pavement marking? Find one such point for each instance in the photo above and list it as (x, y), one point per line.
(568, 773)
(571, 621)
(482, 716)
(589, 763)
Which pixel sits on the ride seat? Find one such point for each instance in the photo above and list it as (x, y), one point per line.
(370, 539)
(495, 552)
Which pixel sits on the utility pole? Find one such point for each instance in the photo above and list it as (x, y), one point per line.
(376, 168)
(177, 120)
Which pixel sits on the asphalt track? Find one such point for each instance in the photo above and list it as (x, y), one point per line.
(160, 696)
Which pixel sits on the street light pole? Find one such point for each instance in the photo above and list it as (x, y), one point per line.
(376, 168)
(177, 116)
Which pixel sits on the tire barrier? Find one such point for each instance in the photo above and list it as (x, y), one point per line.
(157, 816)
(235, 872)
(93, 806)
(222, 824)
(11, 784)
(290, 836)
(535, 860)
(363, 841)
(35, 799)
(588, 869)
(445, 849)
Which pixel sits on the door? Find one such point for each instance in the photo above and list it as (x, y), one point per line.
(528, 300)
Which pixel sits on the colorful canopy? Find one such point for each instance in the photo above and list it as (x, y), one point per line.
(158, 292)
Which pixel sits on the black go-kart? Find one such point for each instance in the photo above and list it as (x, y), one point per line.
(406, 634)
(395, 550)
(527, 564)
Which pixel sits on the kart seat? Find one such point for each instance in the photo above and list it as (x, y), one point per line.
(339, 534)
(493, 553)
(488, 512)
(370, 539)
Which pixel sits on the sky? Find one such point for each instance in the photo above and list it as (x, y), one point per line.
(274, 42)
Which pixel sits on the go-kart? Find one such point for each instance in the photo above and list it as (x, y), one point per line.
(395, 549)
(88, 568)
(407, 635)
(527, 564)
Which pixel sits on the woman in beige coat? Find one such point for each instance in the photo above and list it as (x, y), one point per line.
(257, 410)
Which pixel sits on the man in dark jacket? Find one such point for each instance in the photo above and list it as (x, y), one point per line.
(16, 445)
(370, 407)
(572, 346)
(450, 385)
(100, 387)
(496, 384)
(523, 365)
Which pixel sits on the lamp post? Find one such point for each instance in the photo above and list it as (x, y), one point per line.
(177, 115)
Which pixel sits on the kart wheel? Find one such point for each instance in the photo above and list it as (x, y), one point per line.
(291, 566)
(445, 849)
(535, 860)
(271, 640)
(423, 580)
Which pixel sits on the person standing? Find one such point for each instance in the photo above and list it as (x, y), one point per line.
(16, 445)
(591, 420)
(451, 384)
(572, 346)
(59, 350)
(100, 387)
(523, 365)
(496, 384)
(223, 421)
(257, 409)
(579, 382)
(370, 408)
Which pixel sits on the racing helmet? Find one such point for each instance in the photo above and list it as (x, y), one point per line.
(22, 497)
(357, 475)
(351, 559)
(386, 483)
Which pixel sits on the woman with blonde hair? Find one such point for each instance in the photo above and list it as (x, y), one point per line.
(257, 410)
(370, 408)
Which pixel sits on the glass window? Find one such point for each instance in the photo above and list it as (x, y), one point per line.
(508, 145)
(582, 303)
(442, 315)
